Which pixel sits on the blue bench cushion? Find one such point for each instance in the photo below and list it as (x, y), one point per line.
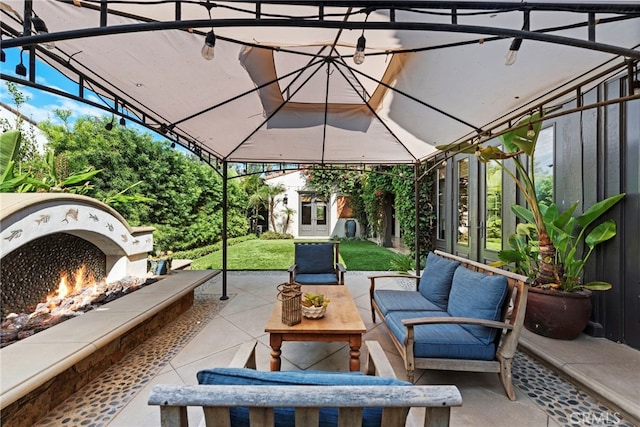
(286, 416)
(447, 341)
(394, 300)
(314, 258)
(316, 279)
(435, 282)
(480, 296)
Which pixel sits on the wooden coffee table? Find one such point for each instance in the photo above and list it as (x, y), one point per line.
(342, 322)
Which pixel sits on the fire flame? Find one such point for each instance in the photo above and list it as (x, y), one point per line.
(71, 286)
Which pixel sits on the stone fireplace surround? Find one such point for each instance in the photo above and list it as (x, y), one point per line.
(44, 232)
(40, 372)
(37, 231)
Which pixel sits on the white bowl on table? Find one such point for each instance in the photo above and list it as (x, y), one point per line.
(313, 312)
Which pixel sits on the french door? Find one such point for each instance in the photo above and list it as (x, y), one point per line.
(314, 215)
(477, 208)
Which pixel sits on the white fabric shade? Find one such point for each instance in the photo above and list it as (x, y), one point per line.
(332, 111)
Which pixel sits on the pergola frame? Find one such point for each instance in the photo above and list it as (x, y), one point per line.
(28, 40)
(258, 18)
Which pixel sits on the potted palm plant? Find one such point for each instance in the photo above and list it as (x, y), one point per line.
(550, 246)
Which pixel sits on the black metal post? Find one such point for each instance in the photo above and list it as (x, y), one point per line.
(416, 186)
(225, 212)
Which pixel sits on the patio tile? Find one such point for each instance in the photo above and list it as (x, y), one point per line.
(542, 397)
(218, 335)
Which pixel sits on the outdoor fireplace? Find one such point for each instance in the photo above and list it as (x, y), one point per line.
(32, 272)
(45, 235)
(25, 311)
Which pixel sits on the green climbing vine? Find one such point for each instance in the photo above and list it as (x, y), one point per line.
(372, 189)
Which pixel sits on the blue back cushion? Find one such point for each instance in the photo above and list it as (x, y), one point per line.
(314, 258)
(286, 416)
(436, 279)
(479, 296)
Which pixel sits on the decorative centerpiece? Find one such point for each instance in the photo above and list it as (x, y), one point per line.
(289, 294)
(314, 306)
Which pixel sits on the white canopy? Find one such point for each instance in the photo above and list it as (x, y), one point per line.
(282, 86)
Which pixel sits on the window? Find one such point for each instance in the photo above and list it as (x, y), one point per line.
(440, 214)
(321, 210)
(463, 202)
(544, 157)
(493, 206)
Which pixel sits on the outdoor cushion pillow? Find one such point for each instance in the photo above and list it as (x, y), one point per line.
(443, 340)
(435, 282)
(314, 258)
(316, 279)
(480, 296)
(285, 417)
(395, 300)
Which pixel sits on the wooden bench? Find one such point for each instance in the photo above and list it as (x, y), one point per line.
(403, 332)
(307, 400)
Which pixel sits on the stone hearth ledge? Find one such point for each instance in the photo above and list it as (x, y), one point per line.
(28, 364)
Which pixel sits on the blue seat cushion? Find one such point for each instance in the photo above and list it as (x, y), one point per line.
(448, 341)
(480, 296)
(316, 279)
(436, 279)
(393, 300)
(285, 417)
(314, 258)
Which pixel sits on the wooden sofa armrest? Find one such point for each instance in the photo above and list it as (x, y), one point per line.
(377, 362)
(456, 320)
(245, 356)
(340, 270)
(373, 279)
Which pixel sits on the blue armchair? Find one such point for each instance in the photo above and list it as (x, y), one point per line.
(317, 264)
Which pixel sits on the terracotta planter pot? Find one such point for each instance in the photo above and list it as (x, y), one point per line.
(559, 315)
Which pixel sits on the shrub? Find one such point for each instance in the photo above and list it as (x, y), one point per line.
(274, 235)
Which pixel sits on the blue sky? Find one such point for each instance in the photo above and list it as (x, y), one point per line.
(40, 105)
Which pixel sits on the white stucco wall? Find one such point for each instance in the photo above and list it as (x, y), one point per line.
(28, 216)
(295, 183)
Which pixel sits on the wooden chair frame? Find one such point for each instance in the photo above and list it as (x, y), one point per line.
(510, 327)
(307, 400)
(339, 268)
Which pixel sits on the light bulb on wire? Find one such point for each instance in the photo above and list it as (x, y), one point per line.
(41, 28)
(512, 55)
(208, 51)
(358, 57)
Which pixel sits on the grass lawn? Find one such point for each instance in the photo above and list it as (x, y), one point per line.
(356, 255)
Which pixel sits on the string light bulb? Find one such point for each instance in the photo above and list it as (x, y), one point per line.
(41, 28)
(530, 131)
(512, 54)
(208, 51)
(358, 57)
(21, 70)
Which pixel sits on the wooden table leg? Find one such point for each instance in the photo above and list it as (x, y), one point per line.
(355, 342)
(275, 341)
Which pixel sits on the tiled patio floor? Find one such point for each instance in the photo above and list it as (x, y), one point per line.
(208, 335)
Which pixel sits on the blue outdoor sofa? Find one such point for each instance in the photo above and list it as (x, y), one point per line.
(463, 316)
